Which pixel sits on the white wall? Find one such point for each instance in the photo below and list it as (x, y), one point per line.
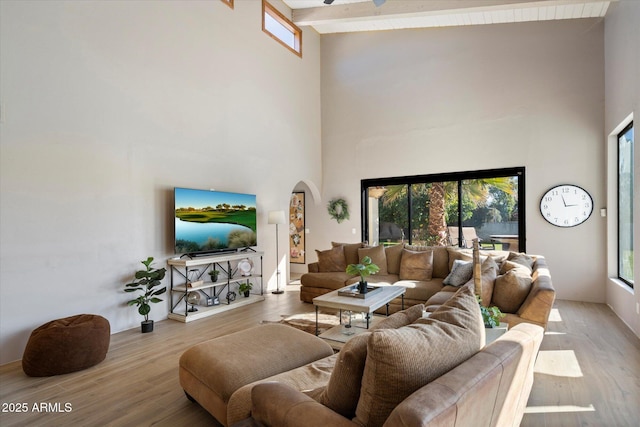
(622, 94)
(106, 106)
(412, 102)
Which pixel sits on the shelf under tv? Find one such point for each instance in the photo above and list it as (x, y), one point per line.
(202, 312)
(196, 269)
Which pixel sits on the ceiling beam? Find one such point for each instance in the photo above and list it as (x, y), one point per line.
(407, 8)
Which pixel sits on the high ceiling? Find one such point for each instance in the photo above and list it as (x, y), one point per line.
(362, 15)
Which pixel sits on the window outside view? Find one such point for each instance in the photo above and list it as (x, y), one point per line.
(441, 213)
(625, 205)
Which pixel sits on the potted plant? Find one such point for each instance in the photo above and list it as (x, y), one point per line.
(146, 281)
(490, 315)
(365, 268)
(245, 288)
(214, 275)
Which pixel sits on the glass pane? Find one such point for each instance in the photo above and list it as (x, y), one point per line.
(490, 213)
(625, 206)
(279, 30)
(388, 215)
(432, 207)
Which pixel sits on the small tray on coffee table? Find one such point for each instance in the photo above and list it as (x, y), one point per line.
(352, 291)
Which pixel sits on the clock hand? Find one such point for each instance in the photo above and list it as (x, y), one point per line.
(565, 202)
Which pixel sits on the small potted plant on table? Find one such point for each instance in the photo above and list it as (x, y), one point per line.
(146, 281)
(364, 269)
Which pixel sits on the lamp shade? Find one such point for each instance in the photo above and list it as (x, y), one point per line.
(276, 217)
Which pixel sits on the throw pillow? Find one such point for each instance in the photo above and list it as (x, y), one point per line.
(416, 265)
(461, 273)
(489, 270)
(394, 255)
(400, 361)
(343, 389)
(521, 258)
(331, 260)
(511, 289)
(350, 251)
(458, 254)
(377, 255)
(510, 265)
(401, 318)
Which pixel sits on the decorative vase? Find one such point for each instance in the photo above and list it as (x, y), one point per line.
(146, 326)
(345, 319)
(362, 287)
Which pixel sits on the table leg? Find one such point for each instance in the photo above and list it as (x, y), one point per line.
(316, 320)
(403, 301)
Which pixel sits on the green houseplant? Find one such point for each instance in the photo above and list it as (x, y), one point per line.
(214, 275)
(490, 315)
(364, 269)
(146, 281)
(245, 288)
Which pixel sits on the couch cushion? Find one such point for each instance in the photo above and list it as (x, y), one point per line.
(333, 281)
(521, 258)
(458, 254)
(394, 255)
(511, 289)
(401, 318)
(416, 265)
(308, 378)
(400, 361)
(461, 273)
(331, 260)
(420, 290)
(377, 255)
(510, 265)
(343, 389)
(489, 270)
(378, 279)
(440, 259)
(350, 251)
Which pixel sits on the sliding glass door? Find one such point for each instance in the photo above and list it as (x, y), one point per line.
(446, 209)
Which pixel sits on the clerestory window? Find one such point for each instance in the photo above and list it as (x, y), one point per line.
(281, 29)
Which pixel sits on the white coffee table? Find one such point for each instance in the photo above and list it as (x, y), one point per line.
(367, 305)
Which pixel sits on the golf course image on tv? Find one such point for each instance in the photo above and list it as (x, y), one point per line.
(210, 221)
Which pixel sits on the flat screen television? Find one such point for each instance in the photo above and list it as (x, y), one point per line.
(208, 221)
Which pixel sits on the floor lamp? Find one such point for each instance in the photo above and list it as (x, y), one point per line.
(277, 217)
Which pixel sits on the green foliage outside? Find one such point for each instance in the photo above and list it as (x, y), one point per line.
(483, 201)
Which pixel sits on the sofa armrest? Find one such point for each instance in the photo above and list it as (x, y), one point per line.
(279, 405)
(538, 304)
(313, 267)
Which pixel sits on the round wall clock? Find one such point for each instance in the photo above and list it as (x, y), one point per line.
(566, 205)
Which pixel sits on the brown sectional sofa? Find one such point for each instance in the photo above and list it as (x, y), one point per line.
(532, 306)
(430, 372)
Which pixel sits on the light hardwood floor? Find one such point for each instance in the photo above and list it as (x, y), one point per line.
(587, 373)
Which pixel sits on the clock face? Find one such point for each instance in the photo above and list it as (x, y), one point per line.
(566, 205)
